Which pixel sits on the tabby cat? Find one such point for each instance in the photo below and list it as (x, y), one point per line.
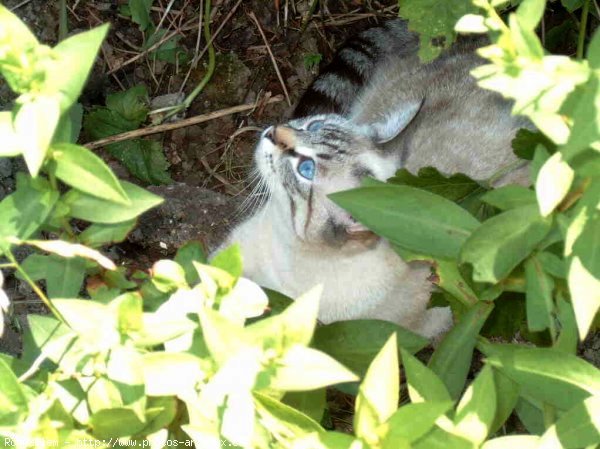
(375, 109)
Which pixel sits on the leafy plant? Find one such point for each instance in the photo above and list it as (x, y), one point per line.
(126, 111)
(140, 13)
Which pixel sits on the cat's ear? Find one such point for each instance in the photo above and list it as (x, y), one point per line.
(393, 123)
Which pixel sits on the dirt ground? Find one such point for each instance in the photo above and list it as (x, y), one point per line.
(209, 161)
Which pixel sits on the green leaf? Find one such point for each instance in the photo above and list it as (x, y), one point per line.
(310, 403)
(378, 391)
(295, 325)
(454, 188)
(586, 119)
(15, 32)
(140, 12)
(78, 54)
(129, 312)
(25, 210)
(160, 412)
(100, 325)
(530, 13)
(442, 439)
(587, 245)
(434, 21)
(526, 141)
(593, 50)
(35, 123)
(124, 367)
(103, 122)
(568, 338)
(477, 408)
(452, 358)
(80, 168)
(423, 384)
(144, 159)
(35, 265)
(507, 395)
(355, 343)
(524, 38)
(412, 421)
(72, 397)
(579, 427)
(169, 51)
(115, 423)
(159, 329)
(103, 394)
(46, 335)
(411, 218)
(125, 111)
(229, 260)
(553, 183)
(449, 277)
(97, 235)
(509, 197)
(516, 441)
(89, 208)
(531, 415)
(585, 295)
(69, 125)
(188, 253)
(551, 376)
(245, 300)
(502, 242)
(168, 276)
(277, 415)
(552, 264)
(540, 303)
(303, 368)
(171, 373)
(64, 276)
(13, 402)
(131, 104)
(572, 5)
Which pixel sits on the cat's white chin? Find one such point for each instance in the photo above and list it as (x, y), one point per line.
(265, 156)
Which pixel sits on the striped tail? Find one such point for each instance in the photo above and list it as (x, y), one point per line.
(334, 90)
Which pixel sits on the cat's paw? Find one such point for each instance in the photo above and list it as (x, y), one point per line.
(435, 323)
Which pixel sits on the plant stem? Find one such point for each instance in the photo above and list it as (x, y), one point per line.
(549, 413)
(311, 11)
(489, 183)
(7, 265)
(63, 29)
(34, 286)
(582, 29)
(211, 64)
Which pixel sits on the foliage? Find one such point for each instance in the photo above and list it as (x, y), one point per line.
(126, 111)
(187, 354)
(168, 51)
(434, 21)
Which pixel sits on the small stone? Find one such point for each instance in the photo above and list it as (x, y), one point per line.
(6, 168)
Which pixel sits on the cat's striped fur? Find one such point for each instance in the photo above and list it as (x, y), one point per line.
(352, 67)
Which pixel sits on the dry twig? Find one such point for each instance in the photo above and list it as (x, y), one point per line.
(260, 30)
(181, 124)
(209, 43)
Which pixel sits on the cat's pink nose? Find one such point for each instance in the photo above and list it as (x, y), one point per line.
(282, 136)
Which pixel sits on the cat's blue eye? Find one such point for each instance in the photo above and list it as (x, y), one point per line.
(307, 169)
(315, 125)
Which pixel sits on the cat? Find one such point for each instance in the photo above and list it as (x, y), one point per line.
(375, 109)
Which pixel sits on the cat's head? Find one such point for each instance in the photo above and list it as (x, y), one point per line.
(309, 158)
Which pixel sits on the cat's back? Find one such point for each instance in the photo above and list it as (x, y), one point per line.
(460, 127)
(353, 66)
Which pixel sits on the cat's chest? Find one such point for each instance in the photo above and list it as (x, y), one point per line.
(349, 279)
